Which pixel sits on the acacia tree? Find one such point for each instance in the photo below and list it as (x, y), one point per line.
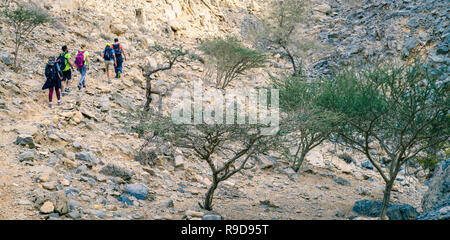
(278, 29)
(24, 19)
(171, 56)
(402, 110)
(307, 125)
(229, 59)
(226, 148)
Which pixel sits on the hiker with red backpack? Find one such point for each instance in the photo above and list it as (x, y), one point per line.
(110, 58)
(120, 56)
(54, 76)
(82, 63)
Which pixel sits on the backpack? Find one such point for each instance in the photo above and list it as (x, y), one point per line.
(108, 54)
(51, 72)
(61, 61)
(79, 59)
(117, 49)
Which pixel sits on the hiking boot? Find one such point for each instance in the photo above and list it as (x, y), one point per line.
(50, 105)
(79, 87)
(66, 90)
(64, 94)
(60, 103)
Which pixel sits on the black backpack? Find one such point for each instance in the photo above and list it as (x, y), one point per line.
(61, 61)
(51, 72)
(108, 54)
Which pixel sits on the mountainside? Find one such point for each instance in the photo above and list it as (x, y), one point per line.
(76, 161)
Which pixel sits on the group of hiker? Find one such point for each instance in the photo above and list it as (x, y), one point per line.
(58, 71)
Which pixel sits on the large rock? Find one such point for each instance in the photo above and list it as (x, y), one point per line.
(86, 156)
(439, 214)
(27, 156)
(58, 200)
(394, 212)
(138, 191)
(116, 171)
(266, 161)
(47, 208)
(179, 162)
(25, 140)
(436, 201)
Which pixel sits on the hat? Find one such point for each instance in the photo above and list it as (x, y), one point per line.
(116, 39)
(51, 60)
(108, 45)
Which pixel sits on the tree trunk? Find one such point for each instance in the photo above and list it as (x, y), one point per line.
(299, 161)
(148, 94)
(16, 54)
(209, 196)
(386, 198)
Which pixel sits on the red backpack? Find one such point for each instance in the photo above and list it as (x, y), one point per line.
(79, 59)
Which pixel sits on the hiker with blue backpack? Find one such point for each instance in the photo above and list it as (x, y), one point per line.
(66, 66)
(110, 58)
(82, 63)
(54, 76)
(120, 56)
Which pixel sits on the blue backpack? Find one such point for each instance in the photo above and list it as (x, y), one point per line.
(108, 54)
(117, 50)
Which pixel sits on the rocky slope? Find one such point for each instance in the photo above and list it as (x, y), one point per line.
(75, 161)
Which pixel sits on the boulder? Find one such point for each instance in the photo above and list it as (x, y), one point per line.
(436, 201)
(266, 161)
(371, 208)
(367, 164)
(58, 201)
(125, 199)
(87, 157)
(342, 181)
(25, 140)
(138, 191)
(27, 156)
(116, 171)
(179, 162)
(47, 208)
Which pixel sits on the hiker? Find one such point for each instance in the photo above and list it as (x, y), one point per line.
(120, 56)
(82, 63)
(110, 59)
(67, 67)
(54, 76)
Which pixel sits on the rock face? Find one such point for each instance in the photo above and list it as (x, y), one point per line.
(436, 201)
(394, 212)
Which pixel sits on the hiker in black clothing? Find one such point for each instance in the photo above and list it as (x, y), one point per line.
(54, 76)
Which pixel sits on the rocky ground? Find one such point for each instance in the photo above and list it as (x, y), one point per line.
(77, 162)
